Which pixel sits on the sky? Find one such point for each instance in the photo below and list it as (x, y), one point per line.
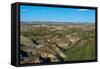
(54, 14)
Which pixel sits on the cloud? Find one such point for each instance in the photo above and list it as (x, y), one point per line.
(82, 10)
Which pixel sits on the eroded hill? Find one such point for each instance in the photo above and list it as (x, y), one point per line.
(46, 43)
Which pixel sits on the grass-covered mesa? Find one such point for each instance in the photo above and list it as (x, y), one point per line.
(50, 34)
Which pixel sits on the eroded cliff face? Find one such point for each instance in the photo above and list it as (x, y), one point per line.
(51, 43)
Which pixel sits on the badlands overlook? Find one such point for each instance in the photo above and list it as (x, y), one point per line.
(51, 42)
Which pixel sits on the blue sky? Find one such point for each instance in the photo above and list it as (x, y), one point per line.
(54, 14)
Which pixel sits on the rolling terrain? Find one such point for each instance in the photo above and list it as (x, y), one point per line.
(46, 43)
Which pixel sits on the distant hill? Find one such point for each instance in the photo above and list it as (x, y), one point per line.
(45, 22)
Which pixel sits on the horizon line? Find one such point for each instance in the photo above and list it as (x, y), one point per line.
(57, 22)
